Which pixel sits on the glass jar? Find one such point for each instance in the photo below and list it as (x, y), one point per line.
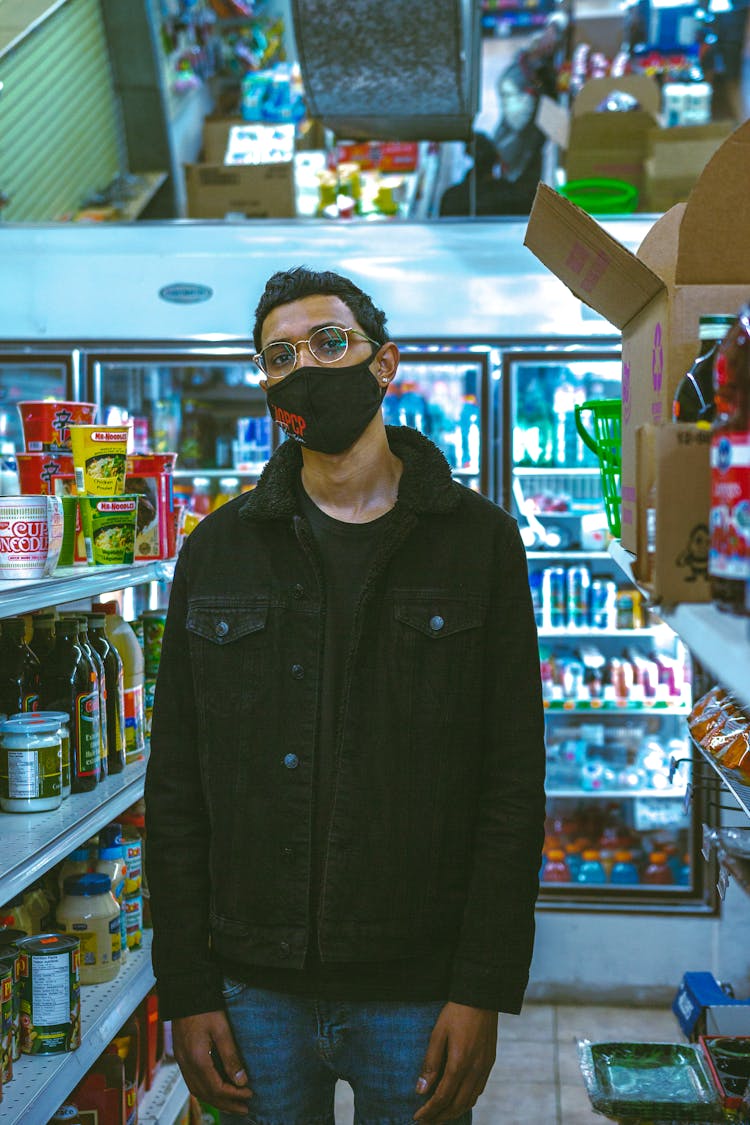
(30, 765)
(88, 910)
(64, 720)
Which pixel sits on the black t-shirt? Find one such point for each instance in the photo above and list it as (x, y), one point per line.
(347, 551)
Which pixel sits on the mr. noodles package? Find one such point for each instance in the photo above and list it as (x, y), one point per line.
(109, 528)
(99, 459)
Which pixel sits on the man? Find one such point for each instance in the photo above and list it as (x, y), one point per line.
(345, 792)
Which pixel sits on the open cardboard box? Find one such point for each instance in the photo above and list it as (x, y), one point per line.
(675, 159)
(257, 191)
(695, 259)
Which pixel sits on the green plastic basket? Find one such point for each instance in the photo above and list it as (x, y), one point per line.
(606, 443)
(600, 196)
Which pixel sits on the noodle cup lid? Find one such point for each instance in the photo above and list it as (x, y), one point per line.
(41, 944)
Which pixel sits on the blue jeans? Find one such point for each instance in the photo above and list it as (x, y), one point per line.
(295, 1048)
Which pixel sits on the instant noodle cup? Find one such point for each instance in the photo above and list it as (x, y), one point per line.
(46, 425)
(31, 533)
(70, 527)
(99, 455)
(109, 528)
(48, 473)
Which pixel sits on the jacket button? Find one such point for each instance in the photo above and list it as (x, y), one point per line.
(298, 671)
(284, 948)
(291, 761)
(287, 853)
(299, 591)
(436, 623)
(221, 628)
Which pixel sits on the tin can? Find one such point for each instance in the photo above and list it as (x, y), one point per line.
(579, 585)
(602, 607)
(149, 688)
(9, 948)
(153, 621)
(50, 994)
(7, 983)
(535, 585)
(132, 905)
(554, 597)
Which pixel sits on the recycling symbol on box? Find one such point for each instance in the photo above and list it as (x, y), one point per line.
(657, 360)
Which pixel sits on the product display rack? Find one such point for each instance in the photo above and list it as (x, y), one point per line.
(71, 583)
(166, 1098)
(41, 1083)
(571, 632)
(616, 794)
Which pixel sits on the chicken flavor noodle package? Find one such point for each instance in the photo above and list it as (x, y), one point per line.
(109, 528)
(99, 454)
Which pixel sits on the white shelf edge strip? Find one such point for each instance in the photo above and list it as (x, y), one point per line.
(41, 1083)
(166, 1098)
(72, 583)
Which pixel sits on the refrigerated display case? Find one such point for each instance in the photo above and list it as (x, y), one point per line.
(31, 372)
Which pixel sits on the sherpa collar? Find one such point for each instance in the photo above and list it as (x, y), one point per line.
(426, 483)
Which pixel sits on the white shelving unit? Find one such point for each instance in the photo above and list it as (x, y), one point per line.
(41, 1083)
(566, 556)
(569, 631)
(616, 794)
(166, 1098)
(623, 710)
(71, 583)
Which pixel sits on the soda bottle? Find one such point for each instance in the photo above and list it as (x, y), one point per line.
(67, 684)
(658, 872)
(729, 554)
(694, 398)
(98, 666)
(624, 872)
(115, 705)
(591, 870)
(19, 669)
(556, 869)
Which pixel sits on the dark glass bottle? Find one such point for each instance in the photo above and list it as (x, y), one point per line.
(19, 669)
(43, 632)
(729, 554)
(694, 398)
(67, 684)
(113, 677)
(98, 665)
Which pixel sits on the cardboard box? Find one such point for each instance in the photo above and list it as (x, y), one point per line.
(149, 476)
(694, 260)
(604, 144)
(673, 488)
(216, 137)
(700, 1004)
(676, 157)
(257, 191)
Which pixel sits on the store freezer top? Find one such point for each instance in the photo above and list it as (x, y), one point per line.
(181, 280)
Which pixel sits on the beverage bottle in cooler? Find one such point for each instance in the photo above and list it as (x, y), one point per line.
(19, 669)
(115, 701)
(729, 554)
(68, 684)
(591, 870)
(573, 856)
(658, 872)
(603, 604)
(98, 665)
(554, 597)
(556, 869)
(579, 587)
(121, 635)
(694, 398)
(624, 872)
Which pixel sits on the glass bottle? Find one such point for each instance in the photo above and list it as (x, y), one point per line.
(98, 664)
(19, 669)
(43, 632)
(694, 398)
(115, 704)
(67, 685)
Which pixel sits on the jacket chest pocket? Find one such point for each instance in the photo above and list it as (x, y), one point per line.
(229, 651)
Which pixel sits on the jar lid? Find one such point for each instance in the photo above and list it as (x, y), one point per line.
(111, 851)
(93, 883)
(50, 944)
(36, 716)
(27, 724)
(79, 855)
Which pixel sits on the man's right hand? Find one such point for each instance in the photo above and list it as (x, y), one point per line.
(197, 1041)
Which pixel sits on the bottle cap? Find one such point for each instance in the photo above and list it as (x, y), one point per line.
(623, 857)
(93, 883)
(591, 854)
(556, 855)
(658, 857)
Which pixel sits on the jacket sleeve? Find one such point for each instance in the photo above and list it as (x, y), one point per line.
(490, 966)
(177, 826)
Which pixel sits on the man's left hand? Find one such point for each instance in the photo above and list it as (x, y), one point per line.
(463, 1046)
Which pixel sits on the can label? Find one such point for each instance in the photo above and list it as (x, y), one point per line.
(133, 907)
(135, 738)
(50, 1019)
(115, 938)
(134, 865)
(153, 637)
(87, 747)
(7, 1035)
(30, 702)
(729, 556)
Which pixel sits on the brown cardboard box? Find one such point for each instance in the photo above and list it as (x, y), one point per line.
(609, 145)
(676, 157)
(674, 500)
(695, 259)
(216, 136)
(258, 191)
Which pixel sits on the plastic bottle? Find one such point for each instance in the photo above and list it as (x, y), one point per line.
(658, 872)
(624, 872)
(729, 554)
(556, 869)
(88, 911)
(120, 634)
(77, 863)
(67, 685)
(591, 870)
(573, 857)
(19, 669)
(115, 703)
(694, 398)
(111, 862)
(685, 876)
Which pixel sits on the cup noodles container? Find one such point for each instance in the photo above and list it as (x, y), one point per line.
(46, 425)
(31, 535)
(150, 477)
(109, 528)
(47, 473)
(99, 459)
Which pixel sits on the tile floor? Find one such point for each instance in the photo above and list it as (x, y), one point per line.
(536, 1080)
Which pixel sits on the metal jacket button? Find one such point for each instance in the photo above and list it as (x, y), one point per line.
(221, 629)
(299, 591)
(291, 761)
(287, 853)
(436, 623)
(298, 671)
(284, 948)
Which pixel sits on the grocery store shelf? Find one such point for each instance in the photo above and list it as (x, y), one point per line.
(730, 779)
(572, 708)
(738, 868)
(623, 558)
(217, 474)
(70, 583)
(31, 843)
(42, 1082)
(550, 471)
(616, 794)
(166, 1098)
(576, 631)
(567, 556)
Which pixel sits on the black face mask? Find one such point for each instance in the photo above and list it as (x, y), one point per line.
(326, 408)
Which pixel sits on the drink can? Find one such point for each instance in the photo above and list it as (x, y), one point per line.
(537, 599)
(602, 606)
(579, 584)
(554, 597)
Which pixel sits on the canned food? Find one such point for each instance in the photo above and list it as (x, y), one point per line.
(154, 621)
(554, 597)
(579, 584)
(7, 983)
(603, 609)
(9, 948)
(50, 994)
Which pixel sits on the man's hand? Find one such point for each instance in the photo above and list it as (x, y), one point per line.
(465, 1039)
(198, 1041)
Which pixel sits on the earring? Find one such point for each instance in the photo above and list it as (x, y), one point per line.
(383, 378)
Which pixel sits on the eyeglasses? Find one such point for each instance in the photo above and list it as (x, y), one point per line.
(326, 345)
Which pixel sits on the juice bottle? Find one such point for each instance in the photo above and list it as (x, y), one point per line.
(591, 870)
(556, 869)
(624, 871)
(729, 554)
(115, 703)
(98, 665)
(120, 634)
(19, 669)
(67, 684)
(658, 872)
(694, 398)
(573, 857)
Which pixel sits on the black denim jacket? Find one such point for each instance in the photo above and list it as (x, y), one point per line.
(438, 806)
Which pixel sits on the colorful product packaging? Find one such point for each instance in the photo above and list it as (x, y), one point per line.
(46, 425)
(99, 459)
(109, 524)
(150, 476)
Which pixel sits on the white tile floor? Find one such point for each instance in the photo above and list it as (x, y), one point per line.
(536, 1080)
